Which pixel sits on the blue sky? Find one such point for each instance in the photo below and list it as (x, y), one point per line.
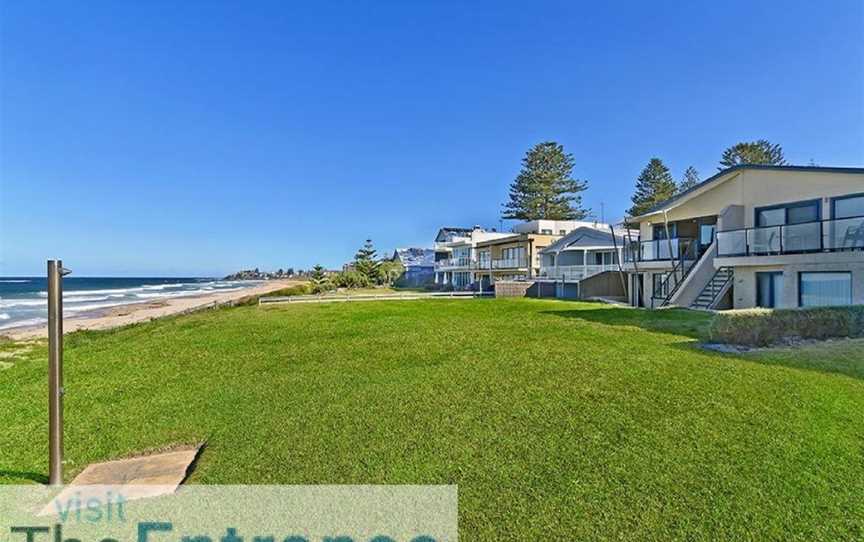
(158, 138)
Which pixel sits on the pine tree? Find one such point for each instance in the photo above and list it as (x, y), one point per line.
(544, 188)
(320, 280)
(655, 184)
(753, 152)
(691, 179)
(366, 262)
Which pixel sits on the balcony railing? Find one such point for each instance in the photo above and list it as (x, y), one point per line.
(451, 263)
(575, 272)
(678, 248)
(821, 236)
(510, 263)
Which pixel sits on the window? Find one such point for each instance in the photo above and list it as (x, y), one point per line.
(849, 206)
(659, 231)
(821, 289)
(546, 232)
(562, 232)
(706, 234)
(657, 285)
(768, 288)
(770, 217)
(789, 213)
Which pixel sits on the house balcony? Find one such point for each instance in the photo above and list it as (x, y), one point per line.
(660, 250)
(450, 264)
(510, 263)
(820, 236)
(575, 272)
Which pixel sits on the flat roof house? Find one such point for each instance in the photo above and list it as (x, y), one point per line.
(517, 255)
(753, 236)
(456, 256)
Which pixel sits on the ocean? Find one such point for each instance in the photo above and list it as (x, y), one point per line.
(24, 300)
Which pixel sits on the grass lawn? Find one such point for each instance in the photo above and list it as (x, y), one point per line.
(556, 419)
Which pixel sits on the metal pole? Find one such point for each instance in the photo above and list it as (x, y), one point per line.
(55, 371)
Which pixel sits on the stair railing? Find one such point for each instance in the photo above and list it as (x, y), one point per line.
(680, 268)
(715, 292)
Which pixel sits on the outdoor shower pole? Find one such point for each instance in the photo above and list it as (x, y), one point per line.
(55, 371)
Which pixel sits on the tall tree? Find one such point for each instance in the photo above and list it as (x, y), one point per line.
(320, 280)
(366, 262)
(654, 184)
(690, 179)
(753, 152)
(544, 188)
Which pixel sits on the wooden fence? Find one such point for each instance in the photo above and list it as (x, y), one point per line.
(397, 296)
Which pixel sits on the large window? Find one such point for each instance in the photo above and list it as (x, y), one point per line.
(658, 231)
(824, 289)
(789, 213)
(849, 206)
(769, 286)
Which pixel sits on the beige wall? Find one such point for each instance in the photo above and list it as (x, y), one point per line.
(752, 188)
(744, 294)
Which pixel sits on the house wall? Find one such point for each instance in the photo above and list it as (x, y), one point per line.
(606, 284)
(752, 188)
(744, 285)
(533, 244)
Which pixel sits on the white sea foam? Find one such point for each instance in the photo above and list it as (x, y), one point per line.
(9, 303)
(162, 286)
(14, 281)
(84, 299)
(93, 306)
(73, 293)
(25, 323)
(4, 316)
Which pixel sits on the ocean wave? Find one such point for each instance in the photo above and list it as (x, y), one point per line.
(84, 299)
(4, 316)
(163, 286)
(25, 323)
(9, 303)
(93, 307)
(163, 295)
(76, 293)
(16, 281)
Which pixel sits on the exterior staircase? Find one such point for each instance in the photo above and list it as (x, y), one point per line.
(714, 289)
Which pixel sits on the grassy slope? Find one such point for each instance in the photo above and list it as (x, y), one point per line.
(578, 420)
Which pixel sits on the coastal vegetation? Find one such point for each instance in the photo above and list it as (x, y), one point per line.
(766, 327)
(545, 187)
(554, 418)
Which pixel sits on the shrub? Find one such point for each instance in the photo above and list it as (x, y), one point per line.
(351, 279)
(299, 289)
(765, 327)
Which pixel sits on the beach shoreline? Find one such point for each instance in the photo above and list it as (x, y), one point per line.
(133, 313)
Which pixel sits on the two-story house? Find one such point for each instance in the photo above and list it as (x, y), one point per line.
(456, 257)
(753, 236)
(517, 256)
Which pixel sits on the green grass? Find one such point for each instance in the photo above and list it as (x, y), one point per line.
(557, 420)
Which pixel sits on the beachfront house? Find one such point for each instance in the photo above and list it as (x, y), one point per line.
(419, 264)
(582, 253)
(753, 236)
(516, 256)
(456, 255)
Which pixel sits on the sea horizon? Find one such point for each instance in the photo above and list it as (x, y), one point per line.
(24, 299)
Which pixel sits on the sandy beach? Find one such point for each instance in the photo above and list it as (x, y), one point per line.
(125, 315)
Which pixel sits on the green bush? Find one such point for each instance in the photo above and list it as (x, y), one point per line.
(765, 327)
(351, 279)
(299, 289)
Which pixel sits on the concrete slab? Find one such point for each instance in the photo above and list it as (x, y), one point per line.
(137, 477)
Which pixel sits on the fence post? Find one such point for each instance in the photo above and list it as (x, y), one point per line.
(55, 371)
